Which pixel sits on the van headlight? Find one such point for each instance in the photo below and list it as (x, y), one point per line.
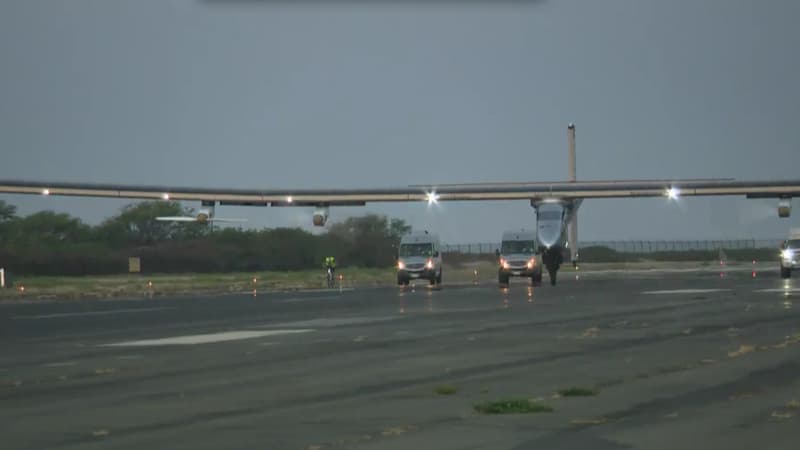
(531, 263)
(401, 265)
(787, 254)
(429, 264)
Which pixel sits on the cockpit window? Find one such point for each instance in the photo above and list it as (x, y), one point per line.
(549, 215)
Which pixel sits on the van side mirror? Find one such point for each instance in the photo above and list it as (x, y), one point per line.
(497, 252)
(436, 254)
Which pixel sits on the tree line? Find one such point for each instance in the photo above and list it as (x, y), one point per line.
(49, 243)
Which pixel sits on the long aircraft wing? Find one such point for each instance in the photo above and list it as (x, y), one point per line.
(443, 192)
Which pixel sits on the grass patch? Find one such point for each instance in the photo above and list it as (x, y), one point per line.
(136, 285)
(576, 391)
(445, 389)
(512, 406)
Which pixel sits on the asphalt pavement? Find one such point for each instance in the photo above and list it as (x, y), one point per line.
(678, 360)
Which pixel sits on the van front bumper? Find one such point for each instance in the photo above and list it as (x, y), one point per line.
(520, 271)
(424, 274)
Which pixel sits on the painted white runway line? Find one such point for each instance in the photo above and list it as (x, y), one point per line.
(89, 313)
(205, 338)
(779, 290)
(331, 322)
(683, 291)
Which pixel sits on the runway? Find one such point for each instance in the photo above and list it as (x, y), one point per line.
(679, 359)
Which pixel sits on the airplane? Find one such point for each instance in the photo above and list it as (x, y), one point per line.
(556, 203)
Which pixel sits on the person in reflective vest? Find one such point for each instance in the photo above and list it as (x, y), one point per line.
(330, 264)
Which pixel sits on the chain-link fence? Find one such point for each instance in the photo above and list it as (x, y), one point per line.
(633, 246)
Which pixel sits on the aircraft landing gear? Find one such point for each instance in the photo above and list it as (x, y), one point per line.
(552, 260)
(552, 272)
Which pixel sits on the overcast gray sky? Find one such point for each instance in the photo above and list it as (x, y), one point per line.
(383, 94)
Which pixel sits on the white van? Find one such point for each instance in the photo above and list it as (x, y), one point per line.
(419, 257)
(517, 257)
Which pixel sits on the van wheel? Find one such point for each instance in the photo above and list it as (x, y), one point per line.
(786, 273)
(439, 278)
(502, 278)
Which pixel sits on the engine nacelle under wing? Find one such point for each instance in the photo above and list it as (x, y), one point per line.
(204, 214)
(785, 208)
(320, 217)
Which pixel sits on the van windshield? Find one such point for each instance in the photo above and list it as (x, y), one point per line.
(425, 250)
(524, 247)
(793, 244)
